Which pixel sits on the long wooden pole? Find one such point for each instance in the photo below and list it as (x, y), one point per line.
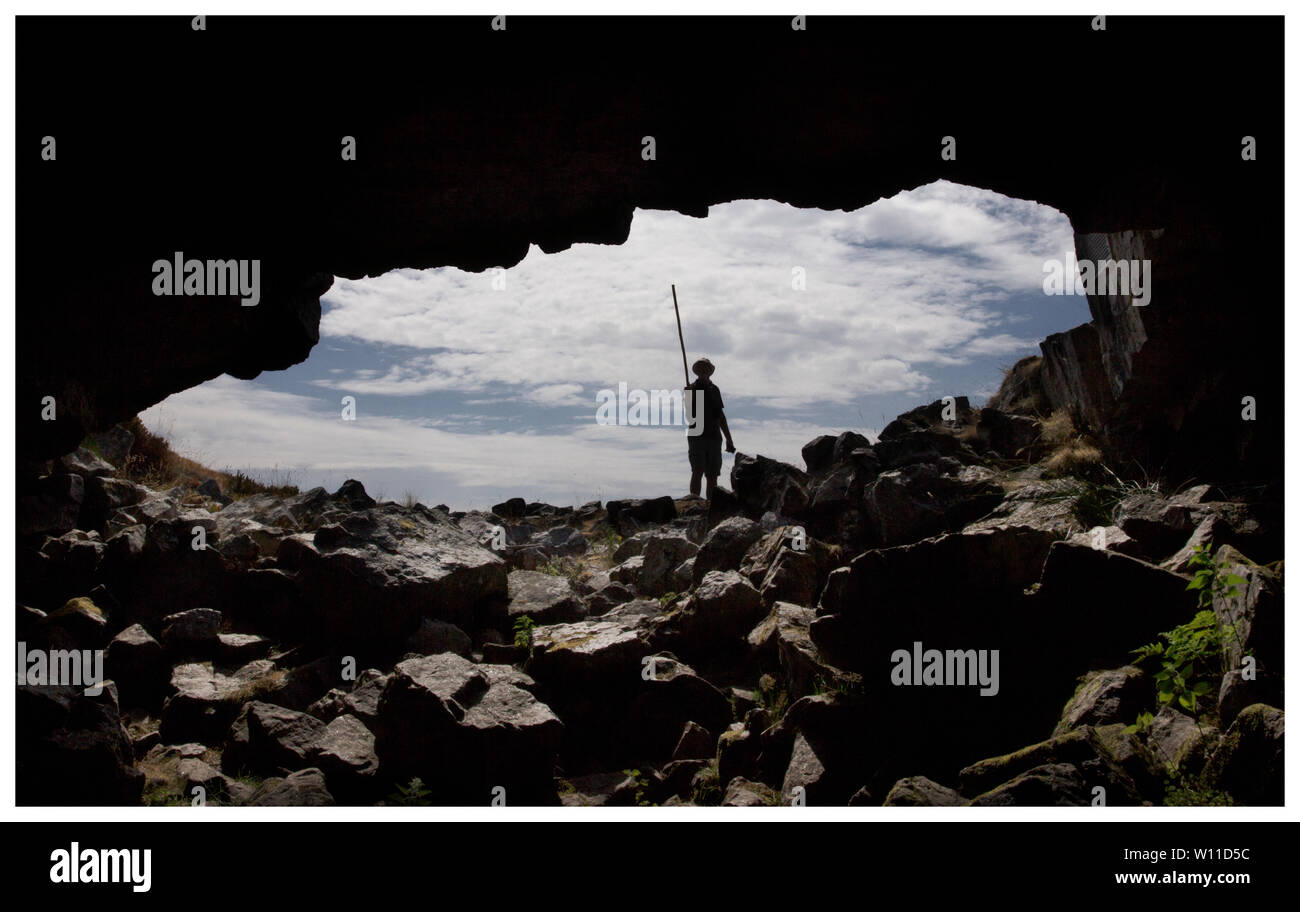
(685, 370)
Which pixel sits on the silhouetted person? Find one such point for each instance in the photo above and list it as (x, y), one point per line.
(705, 448)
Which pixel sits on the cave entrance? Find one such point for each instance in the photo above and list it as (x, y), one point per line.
(446, 386)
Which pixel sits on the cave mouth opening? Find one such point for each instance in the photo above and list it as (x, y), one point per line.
(446, 386)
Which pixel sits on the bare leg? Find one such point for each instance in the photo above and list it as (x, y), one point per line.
(695, 483)
(713, 483)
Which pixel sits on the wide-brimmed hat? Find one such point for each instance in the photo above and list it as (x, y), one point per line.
(703, 367)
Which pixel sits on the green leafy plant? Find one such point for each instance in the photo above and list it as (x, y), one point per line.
(667, 599)
(524, 633)
(1211, 579)
(413, 794)
(1189, 661)
(1142, 725)
(1191, 791)
(558, 566)
(640, 786)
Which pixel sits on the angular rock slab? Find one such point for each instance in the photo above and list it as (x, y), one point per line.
(445, 720)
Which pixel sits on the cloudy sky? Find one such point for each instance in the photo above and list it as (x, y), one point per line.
(473, 387)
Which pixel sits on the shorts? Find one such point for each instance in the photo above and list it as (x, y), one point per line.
(705, 454)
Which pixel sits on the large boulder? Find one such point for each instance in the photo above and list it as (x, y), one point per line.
(934, 584)
(828, 745)
(723, 608)
(630, 515)
(1177, 740)
(762, 485)
(50, 505)
(660, 558)
(950, 414)
(305, 788)
(607, 597)
(961, 601)
(1047, 505)
(1253, 621)
(586, 655)
(927, 434)
(1103, 697)
(695, 743)
(1049, 785)
(79, 624)
(725, 546)
(560, 541)
(194, 631)
(817, 454)
(1248, 763)
(490, 530)
(438, 636)
(372, 576)
(444, 720)
(1011, 436)
(589, 671)
(919, 501)
(664, 701)
(137, 663)
(72, 748)
(824, 453)
(741, 792)
(1105, 756)
(542, 548)
(918, 791)
(104, 496)
(361, 701)
(798, 574)
(546, 598)
(1159, 525)
(206, 700)
(514, 508)
(266, 739)
(345, 752)
(113, 444)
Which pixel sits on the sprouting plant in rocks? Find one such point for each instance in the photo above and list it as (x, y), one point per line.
(639, 785)
(1191, 659)
(1188, 661)
(1181, 791)
(1211, 579)
(524, 633)
(558, 566)
(413, 794)
(707, 789)
(772, 698)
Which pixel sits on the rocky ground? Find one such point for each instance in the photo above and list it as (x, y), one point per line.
(323, 648)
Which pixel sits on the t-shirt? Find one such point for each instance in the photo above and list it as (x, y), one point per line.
(712, 414)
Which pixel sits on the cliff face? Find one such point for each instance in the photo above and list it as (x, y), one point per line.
(473, 144)
(1164, 384)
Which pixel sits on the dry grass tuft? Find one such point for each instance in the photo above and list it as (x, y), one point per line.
(1021, 392)
(155, 464)
(1075, 457)
(1071, 453)
(1057, 428)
